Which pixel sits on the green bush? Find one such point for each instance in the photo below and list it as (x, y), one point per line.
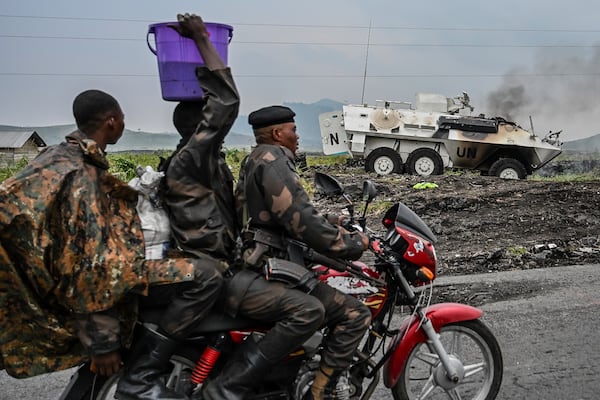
(10, 171)
(234, 158)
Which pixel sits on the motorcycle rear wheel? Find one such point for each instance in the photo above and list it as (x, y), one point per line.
(469, 343)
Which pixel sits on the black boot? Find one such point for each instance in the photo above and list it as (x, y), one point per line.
(246, 368)
(148, 360)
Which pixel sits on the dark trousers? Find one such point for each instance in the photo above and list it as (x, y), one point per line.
(347, 319)
(298, 315)
(187, 303)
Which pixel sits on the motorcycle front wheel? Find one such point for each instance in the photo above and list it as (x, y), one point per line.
(475, 352)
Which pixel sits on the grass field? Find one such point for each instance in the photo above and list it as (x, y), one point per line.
(124, 164)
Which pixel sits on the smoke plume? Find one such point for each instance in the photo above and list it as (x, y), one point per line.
(558, 92)
(508, 100)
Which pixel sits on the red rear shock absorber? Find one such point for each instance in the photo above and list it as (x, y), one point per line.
(207, 361)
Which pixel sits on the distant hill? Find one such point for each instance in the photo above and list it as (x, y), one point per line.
(131, 140)
(307, 119)
(588, 145)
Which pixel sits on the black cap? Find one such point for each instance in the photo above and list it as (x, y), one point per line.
(271, 115)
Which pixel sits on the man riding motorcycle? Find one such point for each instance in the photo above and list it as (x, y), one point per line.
(72, 257)
(271, 198)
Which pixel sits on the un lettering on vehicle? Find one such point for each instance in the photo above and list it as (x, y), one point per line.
(466, 152)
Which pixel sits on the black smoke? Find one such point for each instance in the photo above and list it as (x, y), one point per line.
(507, 100)
(559, 91)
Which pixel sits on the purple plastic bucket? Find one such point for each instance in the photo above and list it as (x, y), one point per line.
(178, 58)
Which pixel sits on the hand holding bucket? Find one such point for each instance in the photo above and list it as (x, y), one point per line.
(190, 25)
(178, 55)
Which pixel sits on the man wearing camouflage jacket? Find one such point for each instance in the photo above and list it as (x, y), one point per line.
(271, 192)
(60, 249)
(72, 264)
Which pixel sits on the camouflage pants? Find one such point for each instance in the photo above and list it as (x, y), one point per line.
(298, 315)
(347, 319)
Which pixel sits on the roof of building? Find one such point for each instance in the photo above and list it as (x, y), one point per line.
(16, 139)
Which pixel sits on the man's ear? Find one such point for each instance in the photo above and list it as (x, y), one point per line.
(276, 134)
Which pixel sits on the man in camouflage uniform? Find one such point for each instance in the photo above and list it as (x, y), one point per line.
(219, 90)
(271, 192)
(199, 198)
(72, 262)
(199, 186)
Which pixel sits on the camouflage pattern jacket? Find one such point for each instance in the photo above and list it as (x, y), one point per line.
(270, 195)
(199, 184)
(71, 245)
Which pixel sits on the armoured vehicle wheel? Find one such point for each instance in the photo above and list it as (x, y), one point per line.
(508, 168)
(384, 161)
(424, 162)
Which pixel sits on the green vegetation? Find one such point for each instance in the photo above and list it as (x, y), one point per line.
(583, 177)
(10, 171)
(124, 164)
(234, 158)
(379, 206)
(517, 251)
(312, 160)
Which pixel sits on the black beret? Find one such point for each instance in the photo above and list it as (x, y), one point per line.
(271, 115)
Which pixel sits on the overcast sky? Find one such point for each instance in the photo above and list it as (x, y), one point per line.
(515, 58)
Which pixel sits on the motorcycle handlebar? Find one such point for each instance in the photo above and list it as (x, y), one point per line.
(322, 259)
(340, 265)
(354, 224)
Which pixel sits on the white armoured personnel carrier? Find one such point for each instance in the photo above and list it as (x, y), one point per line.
(394, 137)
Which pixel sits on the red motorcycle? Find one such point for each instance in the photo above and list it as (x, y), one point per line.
(440, 351)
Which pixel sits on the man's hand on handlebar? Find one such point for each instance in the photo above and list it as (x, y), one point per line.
(365, 240)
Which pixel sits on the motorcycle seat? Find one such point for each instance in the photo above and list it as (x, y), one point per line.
(214, 322)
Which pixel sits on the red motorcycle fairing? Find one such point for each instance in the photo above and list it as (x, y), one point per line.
(410, 334)
(419, 251)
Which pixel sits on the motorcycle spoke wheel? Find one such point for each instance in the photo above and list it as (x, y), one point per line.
(472, 346)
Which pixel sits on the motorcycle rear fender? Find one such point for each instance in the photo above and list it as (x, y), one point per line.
(410, 334)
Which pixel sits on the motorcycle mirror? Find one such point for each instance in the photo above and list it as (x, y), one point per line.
(369, 191)
(328, 185)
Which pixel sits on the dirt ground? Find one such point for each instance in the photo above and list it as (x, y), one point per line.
(486, 224)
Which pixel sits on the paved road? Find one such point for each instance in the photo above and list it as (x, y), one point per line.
(550, 341)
